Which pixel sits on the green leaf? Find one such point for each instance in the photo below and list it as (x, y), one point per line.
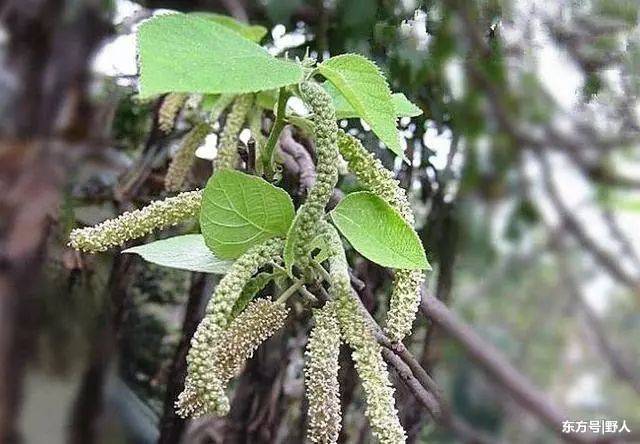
(405, 107)
(378, 232)
(255, 33)
(181, 53)
(240, 210)
(187, 252)
(344, 110)
(365, 88)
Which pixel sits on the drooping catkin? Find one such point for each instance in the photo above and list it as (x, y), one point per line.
(237, 343)
(169, 109)
(312, 211)
(358, 333)
(321, 376)
(185, 155)
(204, 389)
(228, 144)
(223, 102)
(405, 297)
(134, 224)
(372, 370)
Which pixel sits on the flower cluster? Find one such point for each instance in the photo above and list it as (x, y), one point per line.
(312, 211)
(228, 144)
(169, 109)
(259, 321)
(369, 171)
(184, 157)
(321, 376)
(204, 388)
(357, 332)
(134, 224)
(372, 370)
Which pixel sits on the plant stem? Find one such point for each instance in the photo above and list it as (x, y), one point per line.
(267, 154)
(325, 274)
(290, 291)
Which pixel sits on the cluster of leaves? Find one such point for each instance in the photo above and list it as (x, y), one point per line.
(244, 216)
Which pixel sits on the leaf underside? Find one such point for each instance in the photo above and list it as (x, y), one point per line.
(187, 252)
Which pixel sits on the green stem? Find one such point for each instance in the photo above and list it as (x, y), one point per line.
(325, 274)
(290, 291)
(267, 154)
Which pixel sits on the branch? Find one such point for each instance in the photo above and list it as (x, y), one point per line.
(498, 368)
(575, 228)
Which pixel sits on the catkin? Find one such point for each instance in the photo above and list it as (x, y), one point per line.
(405, 297)
(134, 224)
(204, 388)
(259, 321)
(321, 376)
(169, 109)
(228, 144)
(312, 211)
(183, 160)
(357, 332)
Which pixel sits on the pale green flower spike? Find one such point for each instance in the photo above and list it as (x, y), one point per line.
(372, 370)
(369, 171)
(367, 353)
(134, 224)
(235, 345)
(204, 390)
(228, 144)
(312, 211)
(321, 376)
(169, 109)
(223, 102)
(184, 157)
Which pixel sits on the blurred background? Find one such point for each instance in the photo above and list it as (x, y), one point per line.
(524, 175)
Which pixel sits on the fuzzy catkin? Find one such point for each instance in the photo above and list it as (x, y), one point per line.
(358, 333)
(405, 297)
(169, 109)
(372, 370)
(204, 389)
(312, 211)
(134, 224)
(183, 160)
(223, 102)
(237, 343)
(228, 144)
(321, 376)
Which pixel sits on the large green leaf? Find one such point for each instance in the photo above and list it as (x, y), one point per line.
(344, 110)
(365, 88)
(240, 210)
(181, 53)
(255, 33)
(379, 232)
(187, 252)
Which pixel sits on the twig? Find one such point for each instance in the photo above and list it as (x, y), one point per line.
(267, 154)
(493, 362)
